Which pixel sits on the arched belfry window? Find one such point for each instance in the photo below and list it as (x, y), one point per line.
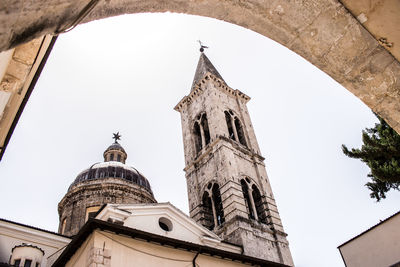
(259, 204)
(240, 132)
(229, 124)
(208, 220)
(204, 125)
(247, 200)
(197, 136)
(235, 128)
(201, 132)
(212, 206)
(253, 200)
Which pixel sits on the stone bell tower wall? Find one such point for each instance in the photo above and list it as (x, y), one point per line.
(227, 160)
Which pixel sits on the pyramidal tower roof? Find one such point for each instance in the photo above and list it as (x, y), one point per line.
(203, 67)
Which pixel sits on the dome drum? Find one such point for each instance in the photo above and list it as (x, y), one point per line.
(77, 205)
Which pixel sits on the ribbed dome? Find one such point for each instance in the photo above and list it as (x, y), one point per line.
(113, 169)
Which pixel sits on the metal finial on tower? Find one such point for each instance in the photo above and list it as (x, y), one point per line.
(116, 137)
(202, 46)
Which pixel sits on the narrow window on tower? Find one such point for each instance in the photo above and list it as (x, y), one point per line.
(208, 219)
(111, 157)
(212, 207)
(119, 158)
(235, 128)
(240, 132)
(197, 137)
(218, 204)
(245, 190)
(204, 124)
(259, 205)
(229, 124)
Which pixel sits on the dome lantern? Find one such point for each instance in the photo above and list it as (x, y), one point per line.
(115, 152)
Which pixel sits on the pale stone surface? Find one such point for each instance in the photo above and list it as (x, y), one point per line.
(377, 246)
(17, 70)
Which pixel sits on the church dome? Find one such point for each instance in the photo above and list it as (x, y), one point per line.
(111, 181)
(112, 169)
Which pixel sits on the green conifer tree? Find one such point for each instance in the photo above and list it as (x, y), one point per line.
(381, 152)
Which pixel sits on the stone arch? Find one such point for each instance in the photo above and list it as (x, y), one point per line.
(253, 200)
(197, 137)
(206, 130)
(235, 127)
(212, 209)
(207, 220)
(323, 32)
(258, 202)
(201, 132)
(247, 201)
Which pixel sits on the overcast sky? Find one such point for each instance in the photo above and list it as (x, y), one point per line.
(127, 73)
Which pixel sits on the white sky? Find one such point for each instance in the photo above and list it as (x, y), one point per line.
(127, 73)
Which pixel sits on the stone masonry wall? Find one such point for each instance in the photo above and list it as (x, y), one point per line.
(98, 192)
(99, 257)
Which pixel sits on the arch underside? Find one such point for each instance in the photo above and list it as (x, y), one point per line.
(321, 31)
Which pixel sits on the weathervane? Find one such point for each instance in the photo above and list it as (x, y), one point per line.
(202, 46)
(116, 137)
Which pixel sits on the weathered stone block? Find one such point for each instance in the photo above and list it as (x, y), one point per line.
(26, 53)
(18, 70)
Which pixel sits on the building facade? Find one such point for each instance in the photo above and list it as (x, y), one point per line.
(228, 187)
(151, 235)
(377, 246)
(24, 245)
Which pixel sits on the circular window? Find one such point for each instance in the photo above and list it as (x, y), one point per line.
(165, 224)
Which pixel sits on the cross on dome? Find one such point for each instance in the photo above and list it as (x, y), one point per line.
(116, 137)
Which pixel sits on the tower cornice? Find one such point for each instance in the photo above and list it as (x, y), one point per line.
(198, 89)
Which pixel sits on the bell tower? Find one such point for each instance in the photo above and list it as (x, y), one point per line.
(228, 187)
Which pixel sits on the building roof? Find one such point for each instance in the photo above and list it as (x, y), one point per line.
(34, 228)
(115, 146)
(94, 224)
(146, 217)
(369, 229)
(203, 66)
(112, 169)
